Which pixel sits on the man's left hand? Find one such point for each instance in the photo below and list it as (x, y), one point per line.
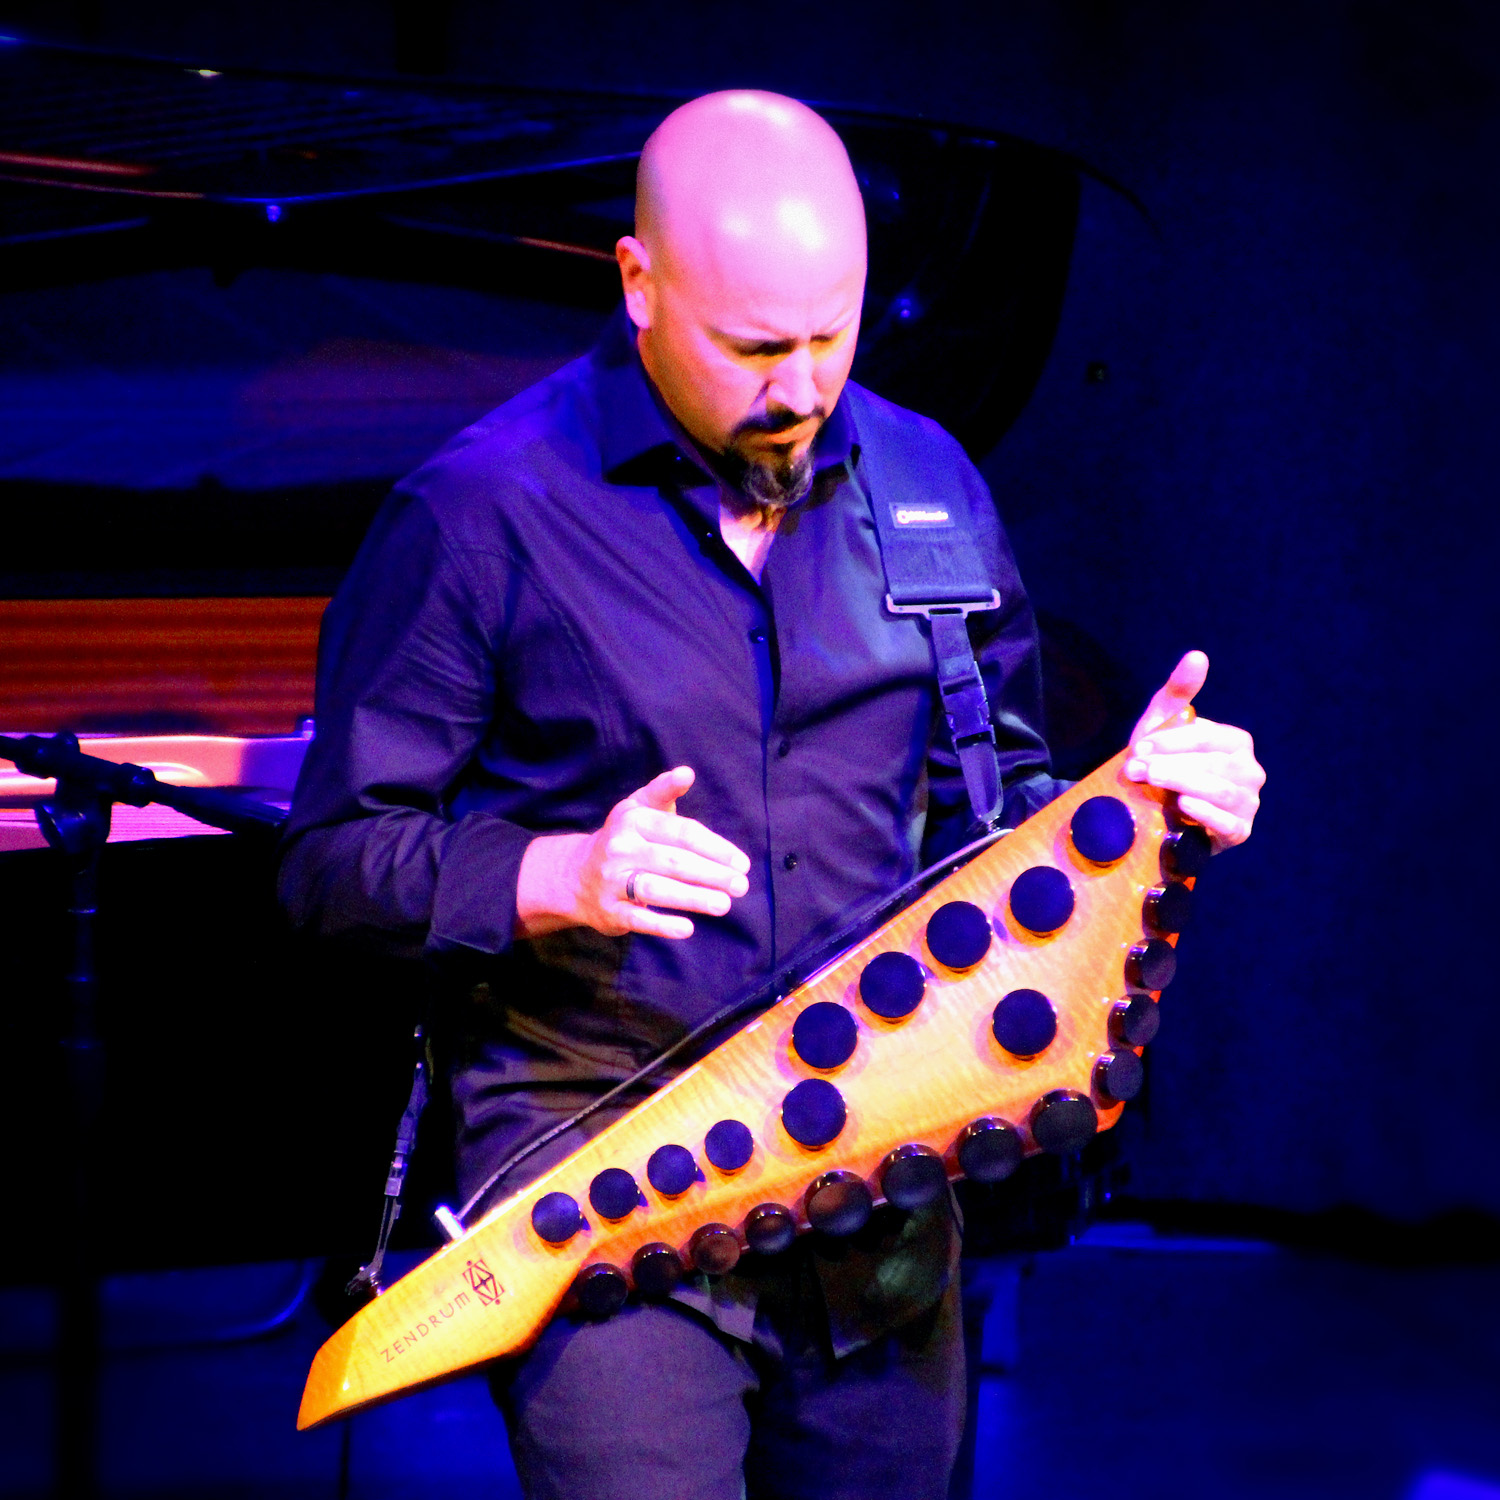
(1212, 767)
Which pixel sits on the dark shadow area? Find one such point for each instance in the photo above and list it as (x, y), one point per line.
(78, 541)
(1464, 1237)
(252, 1080)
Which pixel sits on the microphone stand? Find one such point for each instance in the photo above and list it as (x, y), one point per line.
(75, 822)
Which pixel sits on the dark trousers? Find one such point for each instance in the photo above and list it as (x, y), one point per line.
(657, 1404)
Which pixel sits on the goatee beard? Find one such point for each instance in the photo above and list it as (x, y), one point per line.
(778, 486)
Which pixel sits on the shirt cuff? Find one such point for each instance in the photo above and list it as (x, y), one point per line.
(474, 901)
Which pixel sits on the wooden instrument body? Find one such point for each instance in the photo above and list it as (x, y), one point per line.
(918, 1080)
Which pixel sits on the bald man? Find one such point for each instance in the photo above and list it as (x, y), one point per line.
(613, 720)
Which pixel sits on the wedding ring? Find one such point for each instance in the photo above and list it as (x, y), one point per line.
(630, 894)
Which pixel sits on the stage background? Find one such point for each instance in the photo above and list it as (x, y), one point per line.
(1289, 462)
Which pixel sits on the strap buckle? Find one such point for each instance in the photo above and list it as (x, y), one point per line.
(961, 607)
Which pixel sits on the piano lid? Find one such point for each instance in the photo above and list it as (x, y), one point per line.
(111, 165)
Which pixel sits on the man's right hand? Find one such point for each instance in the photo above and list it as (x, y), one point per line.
(579, 879)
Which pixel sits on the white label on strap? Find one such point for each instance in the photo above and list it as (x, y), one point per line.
(920, 515)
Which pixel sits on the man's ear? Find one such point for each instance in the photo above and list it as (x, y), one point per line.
(635, 277)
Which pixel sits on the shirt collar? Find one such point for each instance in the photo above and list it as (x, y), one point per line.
(640, 444)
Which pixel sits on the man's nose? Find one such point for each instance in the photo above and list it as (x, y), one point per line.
(792, 385)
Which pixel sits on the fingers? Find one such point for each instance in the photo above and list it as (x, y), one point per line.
(580, 880)
(648, 836)
(662, 792)
(1213, 770)
(1227, 829)
(1238, 767)
(641, 887)
(1176, 694)
(665, 845)
(665, 875)
(1206, 776)
(1185, 683)
(1201, 735)
(671, 830)
(653, 923)
(666, 861)
(686, 868)
(653, 889)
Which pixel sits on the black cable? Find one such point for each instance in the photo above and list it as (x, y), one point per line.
(761, 998)
(346, 1443)
(366, 1281)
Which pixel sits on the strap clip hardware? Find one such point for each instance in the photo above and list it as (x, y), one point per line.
(968, 714)
(961, 607)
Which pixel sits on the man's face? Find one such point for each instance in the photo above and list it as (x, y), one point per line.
(750, 351)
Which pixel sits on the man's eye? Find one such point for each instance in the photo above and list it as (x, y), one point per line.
(764, 350)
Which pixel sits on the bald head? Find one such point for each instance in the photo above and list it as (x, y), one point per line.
(752, 186)
(746, 271)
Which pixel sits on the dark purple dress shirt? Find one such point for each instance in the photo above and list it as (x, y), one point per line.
(544, 617)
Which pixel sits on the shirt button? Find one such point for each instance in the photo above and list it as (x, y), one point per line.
(790, 862)
(758, 636)
(784, 749)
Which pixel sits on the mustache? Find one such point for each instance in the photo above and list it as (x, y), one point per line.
(780, 421)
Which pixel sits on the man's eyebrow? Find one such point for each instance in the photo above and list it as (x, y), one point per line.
(756, 340)
(776, 341)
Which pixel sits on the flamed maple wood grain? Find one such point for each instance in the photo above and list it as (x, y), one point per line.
(921, 1080)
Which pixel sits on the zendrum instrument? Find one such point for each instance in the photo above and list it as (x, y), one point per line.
(1002, 1013)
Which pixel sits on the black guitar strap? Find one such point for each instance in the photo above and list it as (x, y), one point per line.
(933, 568)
